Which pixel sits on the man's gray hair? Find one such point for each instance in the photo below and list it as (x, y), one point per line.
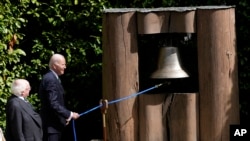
(18, 86)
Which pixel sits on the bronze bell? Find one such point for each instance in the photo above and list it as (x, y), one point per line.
(169, 65)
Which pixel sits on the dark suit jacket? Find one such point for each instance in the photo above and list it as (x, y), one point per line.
(53, 111)
(22, 122)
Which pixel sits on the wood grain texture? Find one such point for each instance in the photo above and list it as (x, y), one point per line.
(217, 64)
(120, 75)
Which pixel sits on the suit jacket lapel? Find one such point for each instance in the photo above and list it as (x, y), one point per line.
(58, 83)
(30, 111)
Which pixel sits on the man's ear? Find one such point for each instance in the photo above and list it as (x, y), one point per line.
(54, 66)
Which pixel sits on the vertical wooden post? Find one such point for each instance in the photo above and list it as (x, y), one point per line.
(153, 22)
(120, 74)
(182, 116)
(182, 22)
(217, 63)
(152, 122)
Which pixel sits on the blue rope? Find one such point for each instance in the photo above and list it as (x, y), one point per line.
(91, 110)
(111, 102)
(74, 131)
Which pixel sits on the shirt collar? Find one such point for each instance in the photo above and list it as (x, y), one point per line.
(54, 73)
(21, 97)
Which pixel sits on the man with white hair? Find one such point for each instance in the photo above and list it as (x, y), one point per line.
(54, 114)
(22, 122)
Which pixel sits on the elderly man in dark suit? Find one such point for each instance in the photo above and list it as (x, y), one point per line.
(54, 114)
(22, 122)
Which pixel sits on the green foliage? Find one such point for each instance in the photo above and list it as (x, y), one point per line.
(11, 21)
(41, 28)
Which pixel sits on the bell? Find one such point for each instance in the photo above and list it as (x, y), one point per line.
(169, 65)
